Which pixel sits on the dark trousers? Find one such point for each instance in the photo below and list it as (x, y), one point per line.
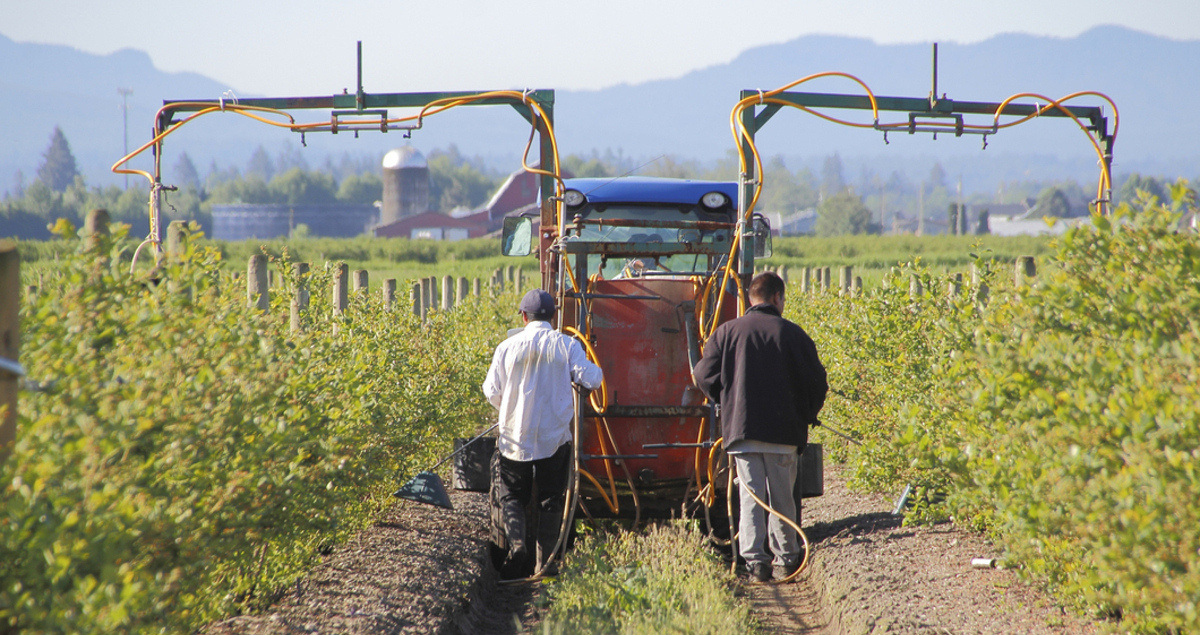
(518, 480)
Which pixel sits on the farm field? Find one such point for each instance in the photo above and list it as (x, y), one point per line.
(182, 456)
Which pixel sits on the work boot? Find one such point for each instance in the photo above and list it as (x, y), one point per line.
(782, 571)
(759, 571)
(515, 564)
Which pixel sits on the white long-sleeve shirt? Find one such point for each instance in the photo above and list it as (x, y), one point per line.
(529, 381)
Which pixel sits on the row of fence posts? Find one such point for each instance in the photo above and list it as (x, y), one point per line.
(820, 279)
(423, 297)
(427, 294)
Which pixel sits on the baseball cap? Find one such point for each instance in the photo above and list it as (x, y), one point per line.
(536, 301)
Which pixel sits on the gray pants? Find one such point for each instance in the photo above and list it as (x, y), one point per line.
(771, 478)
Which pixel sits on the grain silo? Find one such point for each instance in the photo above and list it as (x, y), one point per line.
(405, 185)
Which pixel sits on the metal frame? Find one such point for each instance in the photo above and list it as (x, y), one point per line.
(928, 108)
(369, 112)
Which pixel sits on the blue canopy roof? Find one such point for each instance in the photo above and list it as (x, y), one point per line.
(646, 189)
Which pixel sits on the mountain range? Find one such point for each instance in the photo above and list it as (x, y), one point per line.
(685, 118)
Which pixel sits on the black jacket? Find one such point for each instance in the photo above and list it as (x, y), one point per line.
(765, 373)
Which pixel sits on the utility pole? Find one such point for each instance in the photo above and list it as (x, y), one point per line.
(125, 93)
(921, 210)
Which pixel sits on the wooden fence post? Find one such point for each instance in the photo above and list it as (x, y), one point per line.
(980, 287)
(914, 286)
(176, 240)
(955, 286)
(257, 294)
(414, 296)
(425, 295)
(10, 343)
(447, 293)
(95, 225)
(389, 294)
(1025, 270)
(300, 299)
(341, 295)
(845, 279)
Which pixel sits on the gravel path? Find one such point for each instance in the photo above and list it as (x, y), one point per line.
(870, 575)
(423, 569)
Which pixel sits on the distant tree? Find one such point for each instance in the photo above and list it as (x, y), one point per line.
(785, 191)
(290, 158)
(238, 190)
(981, 223)
(361, 189)
(19, 184)
(669, 166)
(937, 176)
(216, 176)
(454, 184)
(843, 213)
(1135, 183)
(297, 187)
(1053, 202)
(833, 180)
(185, 172)
(260, 164)
(897, 184)
(58, 168)
(41, 200)
(593, 167)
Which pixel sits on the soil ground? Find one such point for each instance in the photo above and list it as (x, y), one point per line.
(424, 569)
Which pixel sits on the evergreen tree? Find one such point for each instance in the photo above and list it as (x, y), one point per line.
(843, 213)
(186, 174)
(1053, 202)
(58, 169)
(832, 179)
(1128, 192)
(261, 165)
(937, 176)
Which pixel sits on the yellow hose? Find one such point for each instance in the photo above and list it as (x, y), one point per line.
(611, 503)
(793, 525)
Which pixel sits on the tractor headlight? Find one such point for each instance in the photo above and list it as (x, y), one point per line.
(574, 198)
(713, 200)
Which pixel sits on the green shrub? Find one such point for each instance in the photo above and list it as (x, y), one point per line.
(188, 456)
(663, 580)
(1060, 416)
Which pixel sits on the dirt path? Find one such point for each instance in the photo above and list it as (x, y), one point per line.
(423, 569)
(871, 575)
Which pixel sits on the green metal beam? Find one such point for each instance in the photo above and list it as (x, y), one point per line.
(753, 119)
(348, 101)
(922, 106)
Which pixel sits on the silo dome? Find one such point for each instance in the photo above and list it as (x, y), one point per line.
(405, 185)
(406, 157)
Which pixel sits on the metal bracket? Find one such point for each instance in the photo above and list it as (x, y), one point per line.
(12, 367)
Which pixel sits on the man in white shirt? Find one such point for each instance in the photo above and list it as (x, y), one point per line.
(529, 382)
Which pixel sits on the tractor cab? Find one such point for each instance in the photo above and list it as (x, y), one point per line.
(641, 266)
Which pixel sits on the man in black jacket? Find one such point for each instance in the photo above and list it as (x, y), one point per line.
(764, 372)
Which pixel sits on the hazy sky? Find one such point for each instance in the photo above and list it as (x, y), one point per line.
(307, 47)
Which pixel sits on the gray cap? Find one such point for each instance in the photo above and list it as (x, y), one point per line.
(536, 301)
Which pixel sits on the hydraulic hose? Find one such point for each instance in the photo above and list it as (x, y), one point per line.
(733, 535)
